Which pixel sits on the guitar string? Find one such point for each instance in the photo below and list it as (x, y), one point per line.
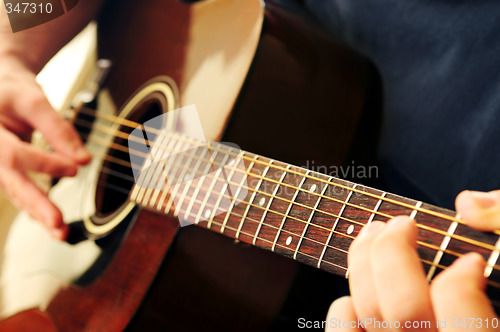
(443, 267)
(296, 203)
(423, 261)
(306, 206)
(117, 120)
(132, 181)
(457, 237)
(233, 213)
(313, 210)
(213, 221)
(247, 219)
(340, 201)
(423, 244)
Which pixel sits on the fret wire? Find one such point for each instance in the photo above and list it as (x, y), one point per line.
(436, 214)
(310, 239)
(191, 176)
(442, 249)
(458, 237)
(181, 137)
(252, 199)
(166, 169)
(158, 190)
(285, 200)
(196, 169)
(224, 188)
(266, 240)
(285, 231)
(423, 210)
(437, 231)
(136, 191)
(272, 226)
(443, 267)
(212, 185)
(463, 239)
(132, 124)
(492, 260)
(198, 188)
(309, 220)
(414, 212)
(348, 204)
(261, 178)
(290, 206)
(150, 171)
(269, 203)
(344, 251)
(430, 246)
(157, 167)
(334, 226)
(319, 195)
(245, 178)
(332, 247)
(173, 188)
(372, 216)
(148, 174)
(386, 199)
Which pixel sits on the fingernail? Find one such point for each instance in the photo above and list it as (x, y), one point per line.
(472, 260)
(484, 200)
(401, 219)
(59, 233)
(83, 155)
(371, 228)
(71, 171)
(55, 232)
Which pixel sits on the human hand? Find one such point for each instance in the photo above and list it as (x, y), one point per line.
(388, 283)
(23, 108)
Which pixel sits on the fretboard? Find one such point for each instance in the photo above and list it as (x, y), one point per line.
(295, 212)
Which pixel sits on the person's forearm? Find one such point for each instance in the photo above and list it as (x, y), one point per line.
(34, 47)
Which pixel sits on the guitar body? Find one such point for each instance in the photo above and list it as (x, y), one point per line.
(260, 78)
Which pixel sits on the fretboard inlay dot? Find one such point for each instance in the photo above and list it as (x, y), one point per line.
(350, 229)
(322, 215)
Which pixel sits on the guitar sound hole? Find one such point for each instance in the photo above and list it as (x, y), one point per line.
(116, 178)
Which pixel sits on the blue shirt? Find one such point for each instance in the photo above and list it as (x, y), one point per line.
(440, 67)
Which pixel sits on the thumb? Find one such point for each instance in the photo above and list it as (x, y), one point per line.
(481, 210)
(58, 132)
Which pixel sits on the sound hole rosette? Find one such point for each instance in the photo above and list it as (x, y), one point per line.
(157, 96)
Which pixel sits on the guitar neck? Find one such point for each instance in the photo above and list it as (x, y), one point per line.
(304, 215)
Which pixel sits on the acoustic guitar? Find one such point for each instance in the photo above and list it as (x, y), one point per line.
(259, 77)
